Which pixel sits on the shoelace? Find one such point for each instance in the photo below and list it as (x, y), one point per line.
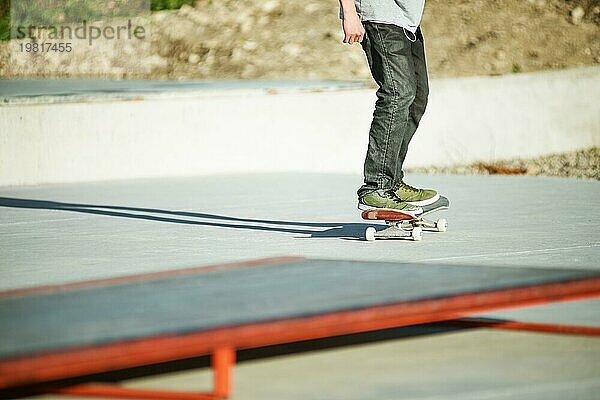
(410, 188)
(408, 206)
(392, 194)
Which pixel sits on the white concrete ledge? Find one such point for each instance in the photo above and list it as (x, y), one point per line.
(74, 135)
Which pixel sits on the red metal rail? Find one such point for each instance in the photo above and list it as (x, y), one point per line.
(70, 363)
(223, 361)
(527, 326)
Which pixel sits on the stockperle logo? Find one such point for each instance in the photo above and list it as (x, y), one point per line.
(83, 31)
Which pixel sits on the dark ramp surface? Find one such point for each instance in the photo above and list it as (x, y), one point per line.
(201, 300)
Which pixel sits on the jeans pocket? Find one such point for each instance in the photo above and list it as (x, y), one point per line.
(393, 39)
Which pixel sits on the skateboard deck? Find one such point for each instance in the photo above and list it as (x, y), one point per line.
(402, 225)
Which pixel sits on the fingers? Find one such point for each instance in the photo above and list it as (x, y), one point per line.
(354, 31)
(353, 38)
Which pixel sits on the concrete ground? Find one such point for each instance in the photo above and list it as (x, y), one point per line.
(70, 232)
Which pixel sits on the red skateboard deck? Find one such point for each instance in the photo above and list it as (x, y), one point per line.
(387, 215)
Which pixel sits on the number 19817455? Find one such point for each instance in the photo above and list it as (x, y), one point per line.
(35, 47)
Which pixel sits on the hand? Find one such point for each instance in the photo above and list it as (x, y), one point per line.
(354, 32)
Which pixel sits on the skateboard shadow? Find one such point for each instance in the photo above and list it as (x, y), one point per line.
(350, 231)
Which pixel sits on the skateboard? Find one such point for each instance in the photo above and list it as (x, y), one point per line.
(401, 225)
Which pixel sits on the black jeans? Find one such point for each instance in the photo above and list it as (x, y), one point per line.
(399, 69)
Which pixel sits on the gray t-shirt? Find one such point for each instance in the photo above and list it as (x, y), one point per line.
(404, 13)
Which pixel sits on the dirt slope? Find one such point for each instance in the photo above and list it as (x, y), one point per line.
(273, 39)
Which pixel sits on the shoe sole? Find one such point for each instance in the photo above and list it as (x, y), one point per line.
(427, 202)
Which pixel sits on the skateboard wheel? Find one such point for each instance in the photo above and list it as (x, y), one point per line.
(441, 225)
(417, 234)
(370, 234)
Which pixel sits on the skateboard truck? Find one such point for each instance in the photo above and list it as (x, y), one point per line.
(402, 225)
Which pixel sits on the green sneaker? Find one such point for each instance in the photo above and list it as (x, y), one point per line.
(386, 199)
(414, 196)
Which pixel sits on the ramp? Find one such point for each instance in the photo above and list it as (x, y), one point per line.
(58, 332)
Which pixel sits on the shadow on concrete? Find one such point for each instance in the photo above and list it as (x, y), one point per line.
(307, 346)
(352, 231)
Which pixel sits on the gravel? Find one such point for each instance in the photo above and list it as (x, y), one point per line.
(584, 164)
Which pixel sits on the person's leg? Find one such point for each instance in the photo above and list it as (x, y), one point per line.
(390, 57)
(417, 108)
(405, 192)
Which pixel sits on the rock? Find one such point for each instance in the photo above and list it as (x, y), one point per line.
(247, 25)
(271, 6)
(540, 5)
(577, 15)
(186, 10)
(193, 58)
(292, 49)
(237, 56)
(250, 45)
(210, 58)
(159, 16)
